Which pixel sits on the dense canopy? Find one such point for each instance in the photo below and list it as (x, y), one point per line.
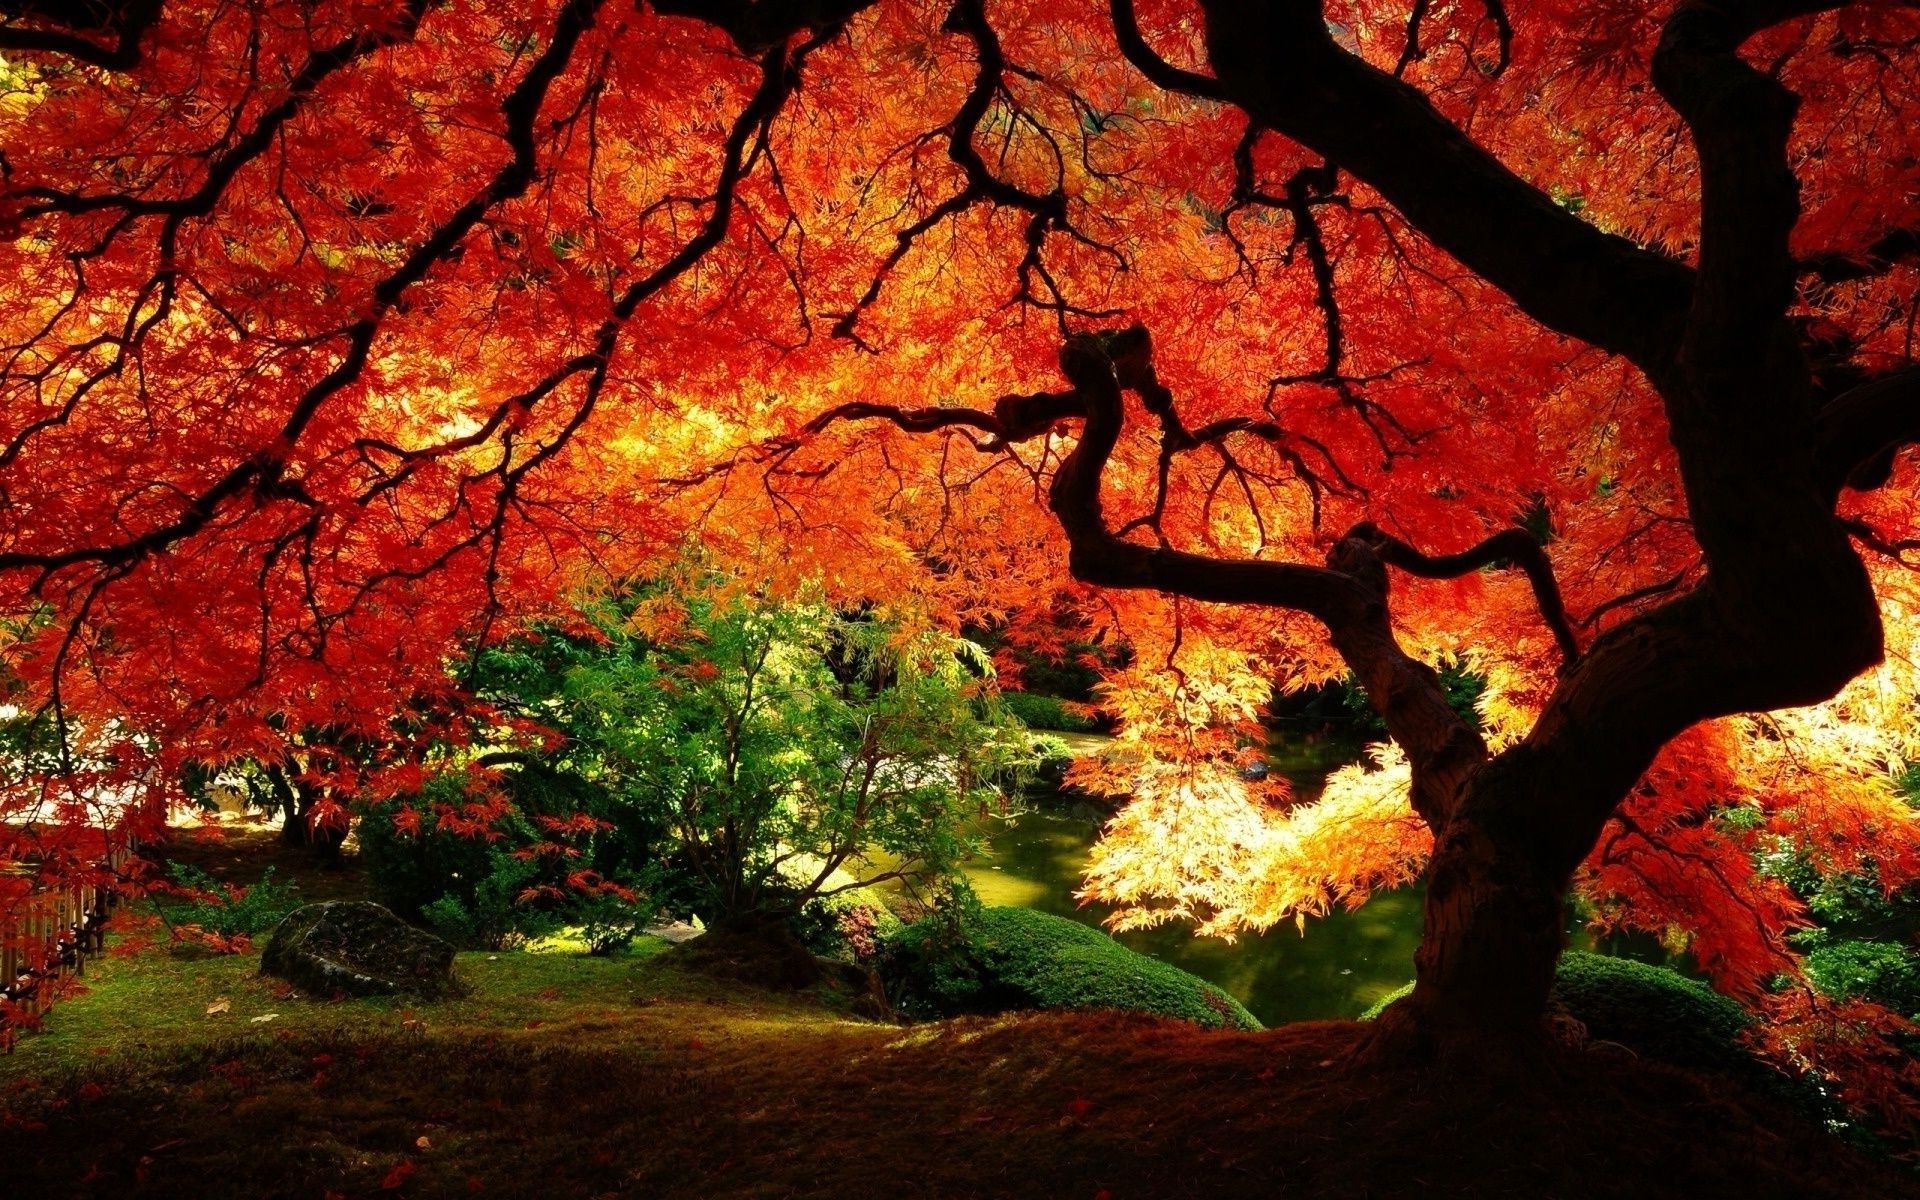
(1282, 342)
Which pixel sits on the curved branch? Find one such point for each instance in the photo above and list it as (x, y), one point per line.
(1133, 44)
(1098, 556)
(1856, 435)
(1514, 547)
(1280, 63)
(1348, 596)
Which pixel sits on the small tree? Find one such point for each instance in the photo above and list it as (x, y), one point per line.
(779, 754)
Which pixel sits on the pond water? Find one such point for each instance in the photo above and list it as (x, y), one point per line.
(1337, 968)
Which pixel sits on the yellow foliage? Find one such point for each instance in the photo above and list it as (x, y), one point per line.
(1197, 843)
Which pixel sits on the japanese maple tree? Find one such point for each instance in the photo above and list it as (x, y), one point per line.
(1573, 342)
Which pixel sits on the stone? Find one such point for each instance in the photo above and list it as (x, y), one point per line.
(358, 948)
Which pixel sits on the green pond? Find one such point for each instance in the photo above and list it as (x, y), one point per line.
(1337, 968)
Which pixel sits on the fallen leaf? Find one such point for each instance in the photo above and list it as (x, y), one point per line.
(423, 1142)
(263, 1018)
(219, 1006)
(397, 1178)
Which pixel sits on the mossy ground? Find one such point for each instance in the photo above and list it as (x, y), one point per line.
(564, 1076)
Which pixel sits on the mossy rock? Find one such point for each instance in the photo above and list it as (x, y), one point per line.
(1005, 959)
(1662, 1015)
(357, 948)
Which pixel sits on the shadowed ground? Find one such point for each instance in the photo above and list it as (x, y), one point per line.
(563, 1076)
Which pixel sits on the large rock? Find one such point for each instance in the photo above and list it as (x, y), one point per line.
(357, 948)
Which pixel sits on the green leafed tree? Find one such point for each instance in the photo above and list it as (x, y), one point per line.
(773, 755)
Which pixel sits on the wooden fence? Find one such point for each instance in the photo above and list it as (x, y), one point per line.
(46, 935)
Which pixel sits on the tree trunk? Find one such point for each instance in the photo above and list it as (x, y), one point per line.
(1496, 907)
(297, 826)
(1494, 929)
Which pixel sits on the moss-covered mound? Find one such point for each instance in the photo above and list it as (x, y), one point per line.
(1004, 959)
(1662, 1015)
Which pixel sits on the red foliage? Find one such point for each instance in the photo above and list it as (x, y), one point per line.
(346, 335)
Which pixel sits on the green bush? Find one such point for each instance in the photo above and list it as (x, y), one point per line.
(1655, 1012)
(410, 871)
(504, 883)
(1052, 759)
(609, 922)
(226, 910)
(1000, 959)
(493, 914)
(1663, 1015)
(1046, 712)
(756, 735)
(1884, 972)
(846, 926)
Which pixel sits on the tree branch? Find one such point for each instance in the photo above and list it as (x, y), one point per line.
(1279, 62)
(1133, 44)
(1512, 547)
(126, 21)
(757, 26)
(1856, 435)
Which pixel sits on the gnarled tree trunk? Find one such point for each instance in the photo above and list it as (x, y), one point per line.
(1785, 614)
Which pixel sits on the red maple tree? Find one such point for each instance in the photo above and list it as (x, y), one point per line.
(1573, 342)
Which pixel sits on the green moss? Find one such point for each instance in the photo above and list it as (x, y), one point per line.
(1655, 1012)
(1002, 959)
(1380, 1005)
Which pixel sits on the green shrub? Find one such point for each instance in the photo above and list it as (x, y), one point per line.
(753, 735)
(846, 926)
(411, 871)
(1884, 972)
(1656, 1012)
(1046, 712)
(226, 910)
(609, 922)
(1052, 759)
(1000, 959)
(494, 914)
